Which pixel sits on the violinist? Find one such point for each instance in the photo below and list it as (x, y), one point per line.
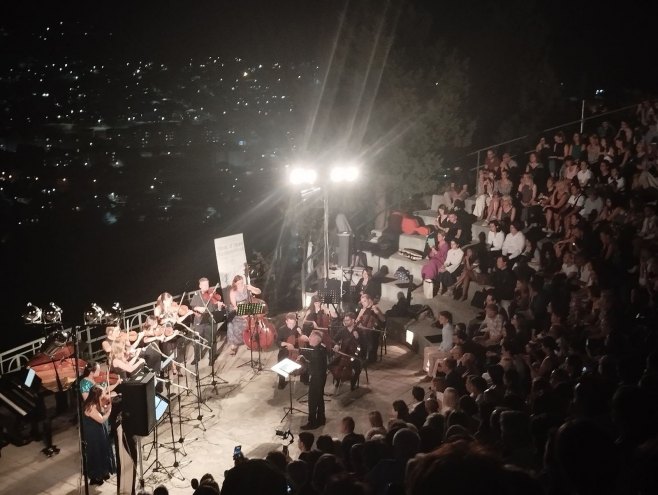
(120, 363)
(370, 319)
(111, 334)
(167, 314)
(289, 338)
(240, 292)
(316, 358)
(100, 458)
(204, 302)
(350, 348)
(89, 377)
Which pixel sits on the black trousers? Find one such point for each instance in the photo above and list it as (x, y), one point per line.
(204, 331)
(316, 399)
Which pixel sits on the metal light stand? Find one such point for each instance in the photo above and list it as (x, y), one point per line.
(83, 443)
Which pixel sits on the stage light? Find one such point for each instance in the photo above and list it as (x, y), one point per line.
(94, 315)
(54, 314)
(32, 314)
(344, 173)
(300, 175)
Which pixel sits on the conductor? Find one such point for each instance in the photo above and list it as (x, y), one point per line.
(316, 359)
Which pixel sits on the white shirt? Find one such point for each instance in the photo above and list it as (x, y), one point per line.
(576, 201)
(619, 181)
(514, 245)
(446, 337)
(453, 259)
(591, 205)
(495, 240)
(584, 176)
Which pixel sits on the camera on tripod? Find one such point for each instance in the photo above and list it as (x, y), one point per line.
(285, 434)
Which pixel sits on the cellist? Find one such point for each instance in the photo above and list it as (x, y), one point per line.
(318, 317)
(350, 348)
(289, 339)
(371, 320)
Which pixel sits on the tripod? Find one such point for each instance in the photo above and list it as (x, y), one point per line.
(290, 409)
(172, 445)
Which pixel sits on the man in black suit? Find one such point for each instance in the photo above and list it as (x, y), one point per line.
(316, 358)
(417, 410)
(307, 453)
(349, 439)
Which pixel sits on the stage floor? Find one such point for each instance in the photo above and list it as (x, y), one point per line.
(245, 411)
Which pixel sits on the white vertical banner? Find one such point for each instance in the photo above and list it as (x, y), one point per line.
(231, 259)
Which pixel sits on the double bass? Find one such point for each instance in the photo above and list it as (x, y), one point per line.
(260, 331)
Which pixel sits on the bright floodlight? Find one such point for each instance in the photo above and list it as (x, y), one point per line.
(303, 176)
(348, 173)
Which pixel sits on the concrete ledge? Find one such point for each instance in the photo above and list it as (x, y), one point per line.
(422, 334)
(413, 241)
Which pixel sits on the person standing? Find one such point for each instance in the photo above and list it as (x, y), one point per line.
(204, 302)
(100, 458)
(289, 339)
(240, 293)
(316, 359)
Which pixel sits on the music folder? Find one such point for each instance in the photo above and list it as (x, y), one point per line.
(161, 404)
(285, 367)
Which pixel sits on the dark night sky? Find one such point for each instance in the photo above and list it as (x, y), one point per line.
(604, 45)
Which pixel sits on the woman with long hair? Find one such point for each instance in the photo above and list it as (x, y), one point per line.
(97, 408)
(240, 292)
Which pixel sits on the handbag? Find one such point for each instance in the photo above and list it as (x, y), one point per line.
(478, 299)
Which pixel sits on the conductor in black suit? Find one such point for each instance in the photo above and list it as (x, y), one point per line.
(316, 359)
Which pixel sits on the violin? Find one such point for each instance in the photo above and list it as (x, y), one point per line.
(211, 295)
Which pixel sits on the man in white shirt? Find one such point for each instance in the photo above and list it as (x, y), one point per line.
(584, 174)
(448, 272)
(432, 355)
(592, 205)
(514, 243)
(574, 205)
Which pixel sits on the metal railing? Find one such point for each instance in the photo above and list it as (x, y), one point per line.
(88, 337)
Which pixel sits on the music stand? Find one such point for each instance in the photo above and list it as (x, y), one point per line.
(249, 310)
(285, 368)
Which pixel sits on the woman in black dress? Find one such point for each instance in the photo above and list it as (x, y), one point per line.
(100, 458)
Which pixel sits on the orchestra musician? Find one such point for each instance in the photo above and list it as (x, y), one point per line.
(371, 319)
(204, 302)
(88, 379)
(240, 292)
(289, 339)
(368, 285)
(317, 316)
(111, 334)
(315, 357)
(119, 361)
(167, 313)
(350, 347)
(97, 409)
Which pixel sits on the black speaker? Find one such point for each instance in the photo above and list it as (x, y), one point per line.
(344, 249)
(138, 405)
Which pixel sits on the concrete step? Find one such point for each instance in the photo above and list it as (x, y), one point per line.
(427, 216)
(412, 241)
(476, 228)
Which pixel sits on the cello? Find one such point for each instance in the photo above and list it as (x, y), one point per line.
(341, 366)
